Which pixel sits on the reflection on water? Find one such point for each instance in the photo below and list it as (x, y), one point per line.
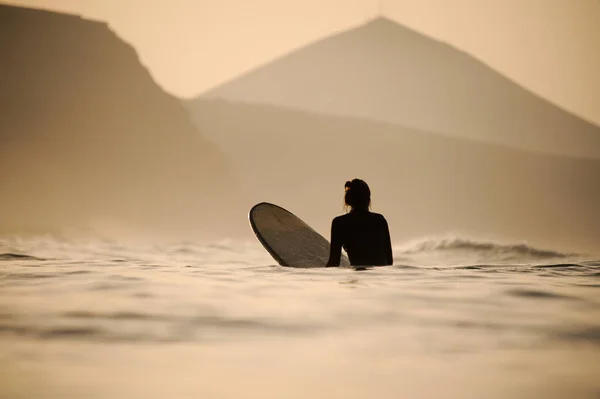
(452, 318)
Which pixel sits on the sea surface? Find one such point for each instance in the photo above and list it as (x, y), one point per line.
(453, 318)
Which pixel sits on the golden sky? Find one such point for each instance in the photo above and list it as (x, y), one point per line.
(552, 47)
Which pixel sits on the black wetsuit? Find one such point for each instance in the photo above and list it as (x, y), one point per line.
(364, 235)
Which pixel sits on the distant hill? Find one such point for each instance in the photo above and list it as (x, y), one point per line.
(385, 72)
(88, 140)
(426, 184)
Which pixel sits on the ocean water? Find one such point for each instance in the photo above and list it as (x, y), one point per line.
(453, 318)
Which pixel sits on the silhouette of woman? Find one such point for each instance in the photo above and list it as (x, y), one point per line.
(364, 235)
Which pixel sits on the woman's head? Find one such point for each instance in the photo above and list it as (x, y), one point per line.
(358, 194)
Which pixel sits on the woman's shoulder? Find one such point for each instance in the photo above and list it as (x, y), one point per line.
(379, 219)
(350, 216)
(341, 218)
(377, 216)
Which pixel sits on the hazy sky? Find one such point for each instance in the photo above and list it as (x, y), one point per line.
(552, 47)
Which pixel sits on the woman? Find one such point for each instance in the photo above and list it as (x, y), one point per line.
(363, 234)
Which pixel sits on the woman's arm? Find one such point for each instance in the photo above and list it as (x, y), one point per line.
(335, 249)
(388, 244)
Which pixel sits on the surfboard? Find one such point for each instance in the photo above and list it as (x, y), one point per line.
(289, 240)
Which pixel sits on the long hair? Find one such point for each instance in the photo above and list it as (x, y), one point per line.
(358, 195)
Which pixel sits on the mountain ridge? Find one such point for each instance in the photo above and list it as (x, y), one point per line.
(426, 184)
(190, 105)
(90, 141)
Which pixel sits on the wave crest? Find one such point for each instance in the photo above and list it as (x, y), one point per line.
(492, 249)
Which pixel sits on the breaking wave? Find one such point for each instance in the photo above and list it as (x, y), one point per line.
(483, 250)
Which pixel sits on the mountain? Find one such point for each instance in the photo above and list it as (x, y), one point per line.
(426, 184)
(88, 140)
(385, 72)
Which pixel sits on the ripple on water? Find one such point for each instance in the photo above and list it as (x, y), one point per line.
(537, 294)
(30, 276)
(17, 256)
(73, 333)
(77, 272)
(146, 327)
(113, 315)
(586, 334)
(558, 266)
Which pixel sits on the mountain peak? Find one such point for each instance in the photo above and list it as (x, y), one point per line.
(382, 22)
(386, 72)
